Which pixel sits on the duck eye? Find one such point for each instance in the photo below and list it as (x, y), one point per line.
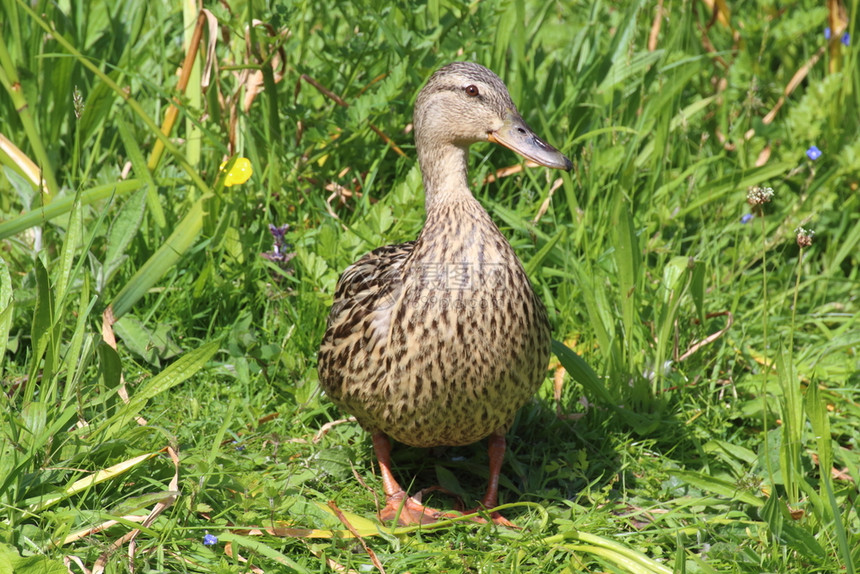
(472, 91)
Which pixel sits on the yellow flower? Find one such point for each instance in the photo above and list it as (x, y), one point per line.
(239, 173)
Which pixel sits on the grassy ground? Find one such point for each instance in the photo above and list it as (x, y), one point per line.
(715, 429)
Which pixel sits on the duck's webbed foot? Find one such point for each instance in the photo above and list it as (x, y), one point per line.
(408, 510)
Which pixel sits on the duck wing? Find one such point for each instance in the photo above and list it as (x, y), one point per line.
(351, 354)
(369, 285)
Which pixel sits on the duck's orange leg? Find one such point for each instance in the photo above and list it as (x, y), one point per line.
(496, 451)
(408, 510)
(398, 504)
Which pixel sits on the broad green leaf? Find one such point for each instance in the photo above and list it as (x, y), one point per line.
(772, 514)
(153, 346)
(34, 416)
(179, 242)
(628, 261)
(122, 231)
(41, 327)
(816, 410)
(739, 452)
(12, 562)
(110, 366)
(582, 373)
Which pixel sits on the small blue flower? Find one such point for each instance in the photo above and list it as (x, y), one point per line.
(813, 153)
(210, 540)
(827, 33)
(747, 218)
(846, 39)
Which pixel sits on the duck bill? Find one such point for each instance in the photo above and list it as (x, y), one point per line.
(519, 137)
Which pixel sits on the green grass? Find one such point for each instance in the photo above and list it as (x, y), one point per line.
(654, 455)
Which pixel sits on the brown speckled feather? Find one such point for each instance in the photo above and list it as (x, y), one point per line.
(438, 341)
(441, 340)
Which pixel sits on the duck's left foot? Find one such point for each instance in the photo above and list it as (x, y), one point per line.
(408, 511)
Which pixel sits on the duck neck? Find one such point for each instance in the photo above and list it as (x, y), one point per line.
(444, 170)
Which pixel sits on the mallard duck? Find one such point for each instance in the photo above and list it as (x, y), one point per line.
(439, 341)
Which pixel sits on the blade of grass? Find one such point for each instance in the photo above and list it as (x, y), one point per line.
(791, 406)
(717, 486)
(135, 155)
(260, 547)
(123, 228)
(132, 103)
(71, 244)
(42, 331)
(628, 262)
(64, 205)
(634, 561)
(87, 482)
(9, 79)
(193, 93)
(582, 373)
(6, 308)
(184, 367)
(538, 259)
(181, 240)
(819, 419)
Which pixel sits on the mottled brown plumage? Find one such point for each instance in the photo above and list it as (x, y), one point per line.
(439, 341)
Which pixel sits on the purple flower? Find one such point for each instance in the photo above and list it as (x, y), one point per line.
(747, 218)
(846, 39)
(827, 33)
(280, 252)
(278, 233)
(210, 540)
(813, 153)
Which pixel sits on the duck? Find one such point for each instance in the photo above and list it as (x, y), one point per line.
(440, 341)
